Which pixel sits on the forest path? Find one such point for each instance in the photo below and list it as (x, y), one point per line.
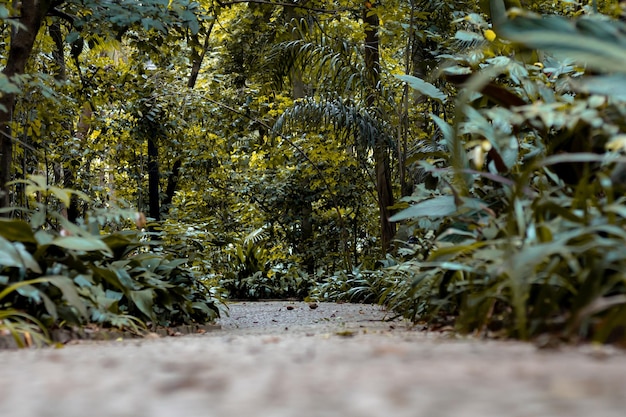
(285, 359)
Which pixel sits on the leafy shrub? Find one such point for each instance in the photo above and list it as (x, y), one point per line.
(525, 233)
(295, 284)
(535, 243)
(80, 275)
(356, 286)
(251, 275)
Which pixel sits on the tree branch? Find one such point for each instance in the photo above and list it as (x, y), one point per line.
(65, 16)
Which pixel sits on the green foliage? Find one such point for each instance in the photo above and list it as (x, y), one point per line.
(19, 325)
(250, 273)
(596, 41)
(82, 276)
(534, 243)
(357, 286)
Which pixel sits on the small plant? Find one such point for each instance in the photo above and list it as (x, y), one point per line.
(22, 327)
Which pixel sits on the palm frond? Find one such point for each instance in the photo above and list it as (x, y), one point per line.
(343, 117)
(256, 235)
(335, 64)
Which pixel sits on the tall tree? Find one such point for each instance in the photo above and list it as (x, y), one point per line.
(384, 188)
(31, 15)
(305, 208)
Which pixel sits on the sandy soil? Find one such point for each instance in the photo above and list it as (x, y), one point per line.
(286, 359)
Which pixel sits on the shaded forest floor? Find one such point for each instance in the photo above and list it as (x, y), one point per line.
(288, 359)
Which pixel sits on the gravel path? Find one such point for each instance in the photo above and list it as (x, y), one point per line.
(285, 359)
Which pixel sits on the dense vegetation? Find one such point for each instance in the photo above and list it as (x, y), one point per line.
(460, 162)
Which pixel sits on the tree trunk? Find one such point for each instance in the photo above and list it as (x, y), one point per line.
(153, 178)
(66, 171)
(197, 55)
(32, 13)
(305, 209)
(198, 52)
(59, 57)
(172, 183)
(381, 158)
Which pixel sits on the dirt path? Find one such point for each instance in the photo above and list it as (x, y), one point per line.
(286, 359)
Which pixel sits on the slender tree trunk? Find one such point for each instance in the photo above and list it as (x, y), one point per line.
(153, 178)
(172, 183)
(32, 13)
(406, 185)
(59, 57)
(306, 208)
(197, 55)
(381, 157)
(66, 171)
(198, 52)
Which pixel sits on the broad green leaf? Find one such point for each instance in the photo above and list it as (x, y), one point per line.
(446, 130)
(449, 252)
(62, 194)
(7, 87)
(38, 219)
(81, 243)
(598, 43)
(29, 291)
(436, 207)
(72, 37)
(43, 237)
(124, 277)
(16, 255)
(191, 20)
(478, 124)
(16, 231)
(149, 23)
(452, 266)
(114, 295)
(9, 256)
(423, 87)
(108, 276)
(469, 37)
(613, 86)
(144, 300)
(27, 259)
(204, 308)
(37, 296)
(83, 280)
(68, 288)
